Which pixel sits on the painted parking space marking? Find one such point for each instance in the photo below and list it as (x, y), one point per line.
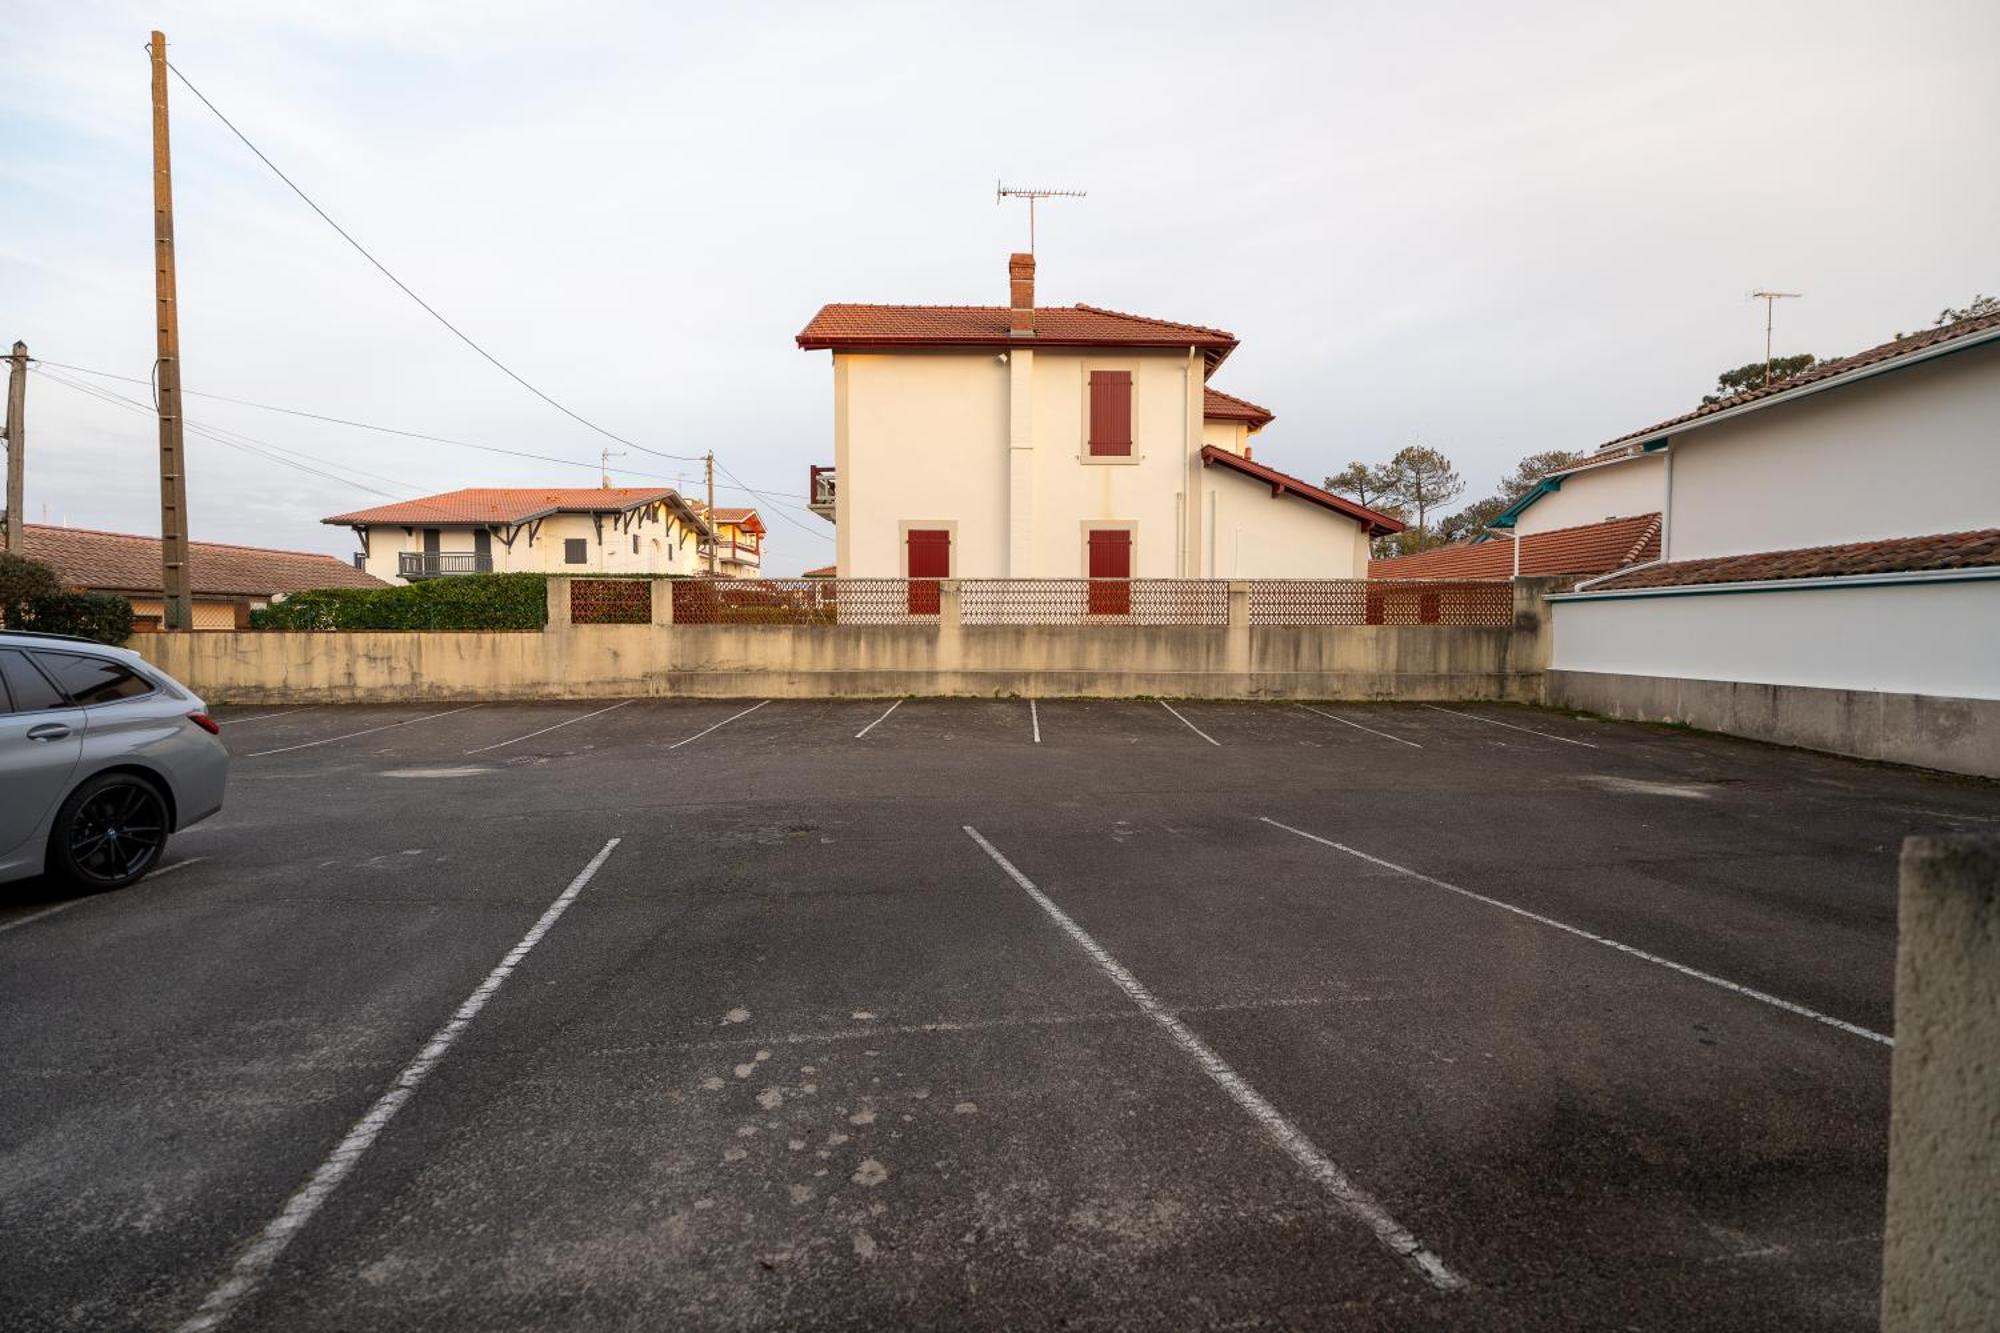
(725, 722)
(878, 721)
(1735, 988)
(169, 869)
(1495, 722)
(1352, 1199)
(250, 1268)
(1335, 717)
(1189, 725)
(1035, 720)
(366, 731)
(501, 745)
(259, 717)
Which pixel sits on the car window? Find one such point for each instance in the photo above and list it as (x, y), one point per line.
(31, 690)
(92, 680)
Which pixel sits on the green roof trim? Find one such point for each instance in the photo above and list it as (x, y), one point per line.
(1546, 486)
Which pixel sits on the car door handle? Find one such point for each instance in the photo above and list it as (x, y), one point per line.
(48, 731)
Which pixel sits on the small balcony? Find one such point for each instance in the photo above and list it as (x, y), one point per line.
(820, 493)
(415, 565)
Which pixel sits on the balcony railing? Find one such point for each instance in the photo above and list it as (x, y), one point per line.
(821, 492)
(437, 564)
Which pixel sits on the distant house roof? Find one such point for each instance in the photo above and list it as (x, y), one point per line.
(846, 327)
(747, 519)
(823, 572)
(1890, 355)
(476, 506)
(129, 563)
(1219, 406)
(1283, 483)
(1590, 548)
(1897, 555)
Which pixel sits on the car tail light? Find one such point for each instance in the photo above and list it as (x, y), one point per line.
(206, 723)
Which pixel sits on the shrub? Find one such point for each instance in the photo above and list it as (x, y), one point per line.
(21, 581)
(471, 601)
(103, 616)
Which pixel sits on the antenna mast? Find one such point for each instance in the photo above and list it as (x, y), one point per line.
(1031, 193)
(1770, 300)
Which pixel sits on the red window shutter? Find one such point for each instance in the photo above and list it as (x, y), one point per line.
(1110, 555)
(930, 560)
(1111, 413)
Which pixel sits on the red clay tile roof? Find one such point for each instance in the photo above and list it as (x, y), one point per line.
(747, 519)
(823, 572)
(1219, 406)
(1591, 548)
(130, 563)
(477, 505)
(1283, 483)
(1897, 555)
(842, 326)
(1888, 351)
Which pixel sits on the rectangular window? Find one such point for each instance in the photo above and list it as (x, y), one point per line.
(1110, 570)
(1110, 414)
(930, 559)
(576, 551)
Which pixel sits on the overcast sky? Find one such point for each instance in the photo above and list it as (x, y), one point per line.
(1492, 229)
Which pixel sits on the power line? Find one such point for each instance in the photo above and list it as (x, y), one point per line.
(392, 430)
(776, 509)
(400, 284)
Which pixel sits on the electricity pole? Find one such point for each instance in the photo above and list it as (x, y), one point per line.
(177, 603)
(1770, 300)
(17, 441)
(710, 515)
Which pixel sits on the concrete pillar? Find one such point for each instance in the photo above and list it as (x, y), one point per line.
(558, 603)
(1236, 656)
(663, 601)
(1941, 1249)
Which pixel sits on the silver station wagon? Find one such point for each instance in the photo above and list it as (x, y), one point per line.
(102, 758)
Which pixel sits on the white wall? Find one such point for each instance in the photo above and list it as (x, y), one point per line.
(1231, 435)
(660, 552)
(1615, 490)
(1916, 638)
(1257, 535)
(1904, 454)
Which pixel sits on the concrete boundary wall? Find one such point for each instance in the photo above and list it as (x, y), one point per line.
(1237, 661)
(1930, 731)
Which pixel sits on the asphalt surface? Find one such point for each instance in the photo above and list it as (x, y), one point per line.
(1228, 1016)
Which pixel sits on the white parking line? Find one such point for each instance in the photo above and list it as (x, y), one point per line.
(367, 731)
(1335, 717)
(1357, 1202)
(725, 722)
(1668, 963)
(64, 907)
(1035, 721)
(1495, 722)
(878, 721)
(240, 721)
(255, 1262)
(501, 745)
(1190, 726)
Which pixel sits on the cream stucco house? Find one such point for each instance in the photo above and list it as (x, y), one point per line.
(1025, 441)
(553, 530)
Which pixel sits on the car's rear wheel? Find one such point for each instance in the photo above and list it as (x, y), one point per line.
(109, 833)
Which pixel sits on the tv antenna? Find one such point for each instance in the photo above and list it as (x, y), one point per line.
(1031, 193)
(1770, 300)
(604, 457)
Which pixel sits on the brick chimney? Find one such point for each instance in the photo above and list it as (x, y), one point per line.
(1021, 295)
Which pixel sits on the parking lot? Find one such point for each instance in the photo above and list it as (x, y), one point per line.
(973, 1014)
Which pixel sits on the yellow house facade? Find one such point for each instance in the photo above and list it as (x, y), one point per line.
(1058, 442)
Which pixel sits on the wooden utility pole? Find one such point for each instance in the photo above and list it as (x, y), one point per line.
(17, 442)
(177, 606)
(713, 538)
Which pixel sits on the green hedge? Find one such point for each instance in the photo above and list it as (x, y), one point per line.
(105, 617)
(470, 601)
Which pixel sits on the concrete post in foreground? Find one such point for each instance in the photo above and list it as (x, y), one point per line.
(558, 603)
(663, 601)
(1941, 1249)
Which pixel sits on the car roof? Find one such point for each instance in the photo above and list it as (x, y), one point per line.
(28, 638)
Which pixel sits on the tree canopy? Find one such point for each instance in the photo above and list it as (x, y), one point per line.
(1752, 376)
